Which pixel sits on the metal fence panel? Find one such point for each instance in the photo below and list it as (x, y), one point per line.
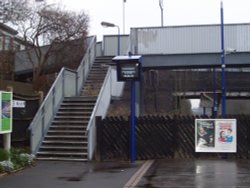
(189, 39)
(162, 137)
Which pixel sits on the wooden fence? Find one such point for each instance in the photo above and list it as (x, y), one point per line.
(161, 137)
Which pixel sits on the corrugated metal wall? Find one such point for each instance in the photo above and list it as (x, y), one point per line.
(189, 39)
(110, 45)
(98, 49)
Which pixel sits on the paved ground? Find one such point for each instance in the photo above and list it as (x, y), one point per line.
(48, 174)
(217, 173)
(221, 173)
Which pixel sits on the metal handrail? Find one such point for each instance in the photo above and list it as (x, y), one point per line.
(40, 118)
(90, 131)
(98, 100)
(49, 94)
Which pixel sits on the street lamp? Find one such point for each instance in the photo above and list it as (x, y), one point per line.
(107, 24)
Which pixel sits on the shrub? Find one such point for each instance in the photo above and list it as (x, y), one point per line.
(18, 158)
(4, 155)
(15, 159)
(1, 169)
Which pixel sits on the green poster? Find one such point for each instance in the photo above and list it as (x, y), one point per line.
(5, 112)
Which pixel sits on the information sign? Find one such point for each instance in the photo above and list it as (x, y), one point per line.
(5, 112)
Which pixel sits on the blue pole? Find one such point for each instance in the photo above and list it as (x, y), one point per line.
(223, 66)
(214, 94)
(132, 123)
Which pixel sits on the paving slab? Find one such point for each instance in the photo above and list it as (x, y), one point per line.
(54, 174)
(214, 173)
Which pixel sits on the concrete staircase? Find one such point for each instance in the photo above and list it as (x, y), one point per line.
(66, 139)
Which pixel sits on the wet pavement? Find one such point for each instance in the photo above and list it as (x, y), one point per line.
(217, 173)
(213, 173)
(49, 174)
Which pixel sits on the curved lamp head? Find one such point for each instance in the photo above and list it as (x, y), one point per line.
(107, 24)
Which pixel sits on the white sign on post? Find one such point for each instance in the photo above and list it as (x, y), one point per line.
(215, 135)
(19, 104)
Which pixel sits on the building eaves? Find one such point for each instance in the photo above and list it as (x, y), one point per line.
(8, 29)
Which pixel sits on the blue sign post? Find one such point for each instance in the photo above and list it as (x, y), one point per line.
(223, 65)
(132, 124)
(129, 70)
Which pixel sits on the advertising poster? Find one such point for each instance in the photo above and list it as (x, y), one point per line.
(5, 112)
(215, 135)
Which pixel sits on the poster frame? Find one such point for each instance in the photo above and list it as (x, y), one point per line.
(216, 135)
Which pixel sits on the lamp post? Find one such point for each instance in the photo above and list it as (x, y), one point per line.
(107, 24)
(123, 15)
(161, 7)
(223, 65)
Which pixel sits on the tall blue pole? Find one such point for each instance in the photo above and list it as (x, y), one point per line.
(223, 65)
(132, 123)
(214, 94)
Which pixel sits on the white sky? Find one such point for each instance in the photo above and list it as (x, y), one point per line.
(144, 13)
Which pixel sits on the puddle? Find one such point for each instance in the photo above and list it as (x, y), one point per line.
(111, 168)
(78, 177)
(70, 178)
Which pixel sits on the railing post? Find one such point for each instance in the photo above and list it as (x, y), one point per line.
(89, 59)
(77, 83)
(63, 84)
(43, 121)
(53, 100)
(99, 127)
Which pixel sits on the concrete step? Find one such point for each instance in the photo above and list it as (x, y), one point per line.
(62, 153)
(68, 127)
(74, 113)
(95, 79)
(100, 65)
(93, 93)
(79, 99)
(62, 117)
(70, 105)
(62, 148)
(77, 108)
(70, 122)
(105, 59)
(64, 142)
(62, 159)
(98, 72)
(67, 137)
(66, 132)
(93, 84)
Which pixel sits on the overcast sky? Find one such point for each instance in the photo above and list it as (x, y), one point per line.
(144, 13)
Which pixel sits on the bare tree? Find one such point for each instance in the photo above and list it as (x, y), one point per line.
(51, 30)
(13, 10)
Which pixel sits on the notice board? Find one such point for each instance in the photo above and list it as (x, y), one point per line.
(216, 135)
(5, 112)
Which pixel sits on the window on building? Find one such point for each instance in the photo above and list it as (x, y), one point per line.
(1, 43)
(7, 43)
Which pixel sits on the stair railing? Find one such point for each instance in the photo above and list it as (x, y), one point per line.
(67, 84)
(100, 109)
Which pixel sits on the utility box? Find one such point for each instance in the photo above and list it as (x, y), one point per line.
(128, 68)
